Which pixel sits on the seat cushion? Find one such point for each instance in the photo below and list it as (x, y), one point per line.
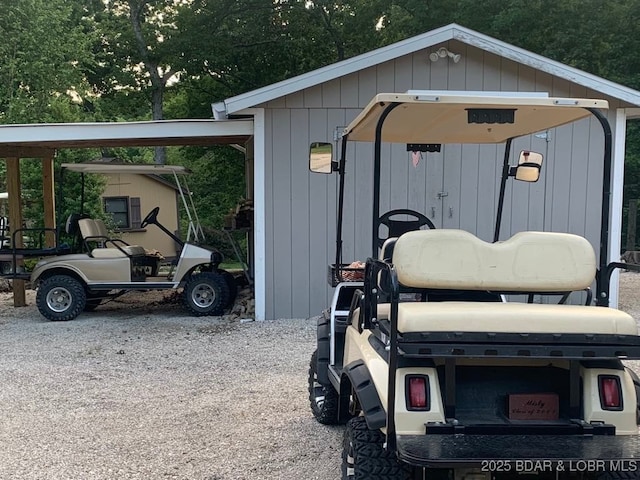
(509, 318)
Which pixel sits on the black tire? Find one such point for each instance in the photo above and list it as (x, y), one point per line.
(231, 285)
(206, 293)
(324, 399)
(363, 455)
(60, 298)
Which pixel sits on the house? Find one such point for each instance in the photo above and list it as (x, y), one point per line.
(128, 197)
(295, 209)
(294, 220)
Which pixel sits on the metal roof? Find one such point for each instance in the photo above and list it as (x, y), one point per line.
(432, 117)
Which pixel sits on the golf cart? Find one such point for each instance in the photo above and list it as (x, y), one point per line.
(428, 353)
(106, 267)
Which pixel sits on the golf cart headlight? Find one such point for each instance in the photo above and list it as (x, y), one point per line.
(216, 257)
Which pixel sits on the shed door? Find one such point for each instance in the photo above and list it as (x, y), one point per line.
(463, 185)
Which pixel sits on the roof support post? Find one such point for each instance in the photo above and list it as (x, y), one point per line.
(49, 200)
(15, 222)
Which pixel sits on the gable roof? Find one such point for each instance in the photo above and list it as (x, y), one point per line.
(405, 47)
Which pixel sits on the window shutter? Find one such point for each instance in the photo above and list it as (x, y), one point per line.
(136, 218)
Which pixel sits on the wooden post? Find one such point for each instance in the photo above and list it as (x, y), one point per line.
(15, 221)
(631, 224)
(48, 196)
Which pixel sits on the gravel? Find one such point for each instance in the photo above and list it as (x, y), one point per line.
(135, 391)
(138, 390)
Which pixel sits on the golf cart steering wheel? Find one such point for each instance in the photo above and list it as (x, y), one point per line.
(398, 227)
(152, 217)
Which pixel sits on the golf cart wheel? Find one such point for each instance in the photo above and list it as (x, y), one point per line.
(206, 293)
(60, 298)
(324, 399)
(363, 455)
(231, 285)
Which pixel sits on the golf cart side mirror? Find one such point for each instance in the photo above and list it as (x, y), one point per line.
(529, 165)
(320, 157)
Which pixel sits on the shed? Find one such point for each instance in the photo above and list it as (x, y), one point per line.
(294, 218)
(295, 209)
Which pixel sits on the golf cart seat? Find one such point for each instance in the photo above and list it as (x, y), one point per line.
(94, 232)
(529, 262)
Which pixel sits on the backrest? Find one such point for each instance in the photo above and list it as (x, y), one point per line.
(527, 262)
(101, 228)
(88, 228)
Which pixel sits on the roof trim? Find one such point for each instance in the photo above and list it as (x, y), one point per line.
(140, 168)
(429, 39)
(158, 132)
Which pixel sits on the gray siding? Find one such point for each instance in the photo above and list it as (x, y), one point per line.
(301, 207)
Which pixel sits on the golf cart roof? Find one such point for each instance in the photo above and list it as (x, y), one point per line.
(438, 118)
(147, 169)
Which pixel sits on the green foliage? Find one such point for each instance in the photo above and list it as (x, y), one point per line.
(124, 60)
(43, 46)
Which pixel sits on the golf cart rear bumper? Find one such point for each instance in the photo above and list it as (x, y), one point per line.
(514, 451)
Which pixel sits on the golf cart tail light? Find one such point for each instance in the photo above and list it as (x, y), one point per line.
(417, 392)
(610, 392)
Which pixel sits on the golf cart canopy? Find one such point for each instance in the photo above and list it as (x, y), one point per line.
(424, 117)
(146, 169)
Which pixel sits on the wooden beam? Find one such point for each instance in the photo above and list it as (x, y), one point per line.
(26, 152)
(15, 221)
(49, 198)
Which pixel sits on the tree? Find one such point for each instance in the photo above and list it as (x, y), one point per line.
(43, 46)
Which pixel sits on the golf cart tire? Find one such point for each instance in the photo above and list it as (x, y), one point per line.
(323, 333)
(70, 302)
(231, 285)
(326, 410)
(364, 455)
(206, 293)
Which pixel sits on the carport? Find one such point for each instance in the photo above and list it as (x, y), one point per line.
(41, 141)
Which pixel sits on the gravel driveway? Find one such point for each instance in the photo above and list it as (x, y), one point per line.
(137, 389)
(131, 391)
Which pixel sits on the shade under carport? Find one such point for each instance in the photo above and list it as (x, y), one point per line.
(42, 140)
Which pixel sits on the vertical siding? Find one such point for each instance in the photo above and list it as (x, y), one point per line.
(281, 215)
(301, 207)
(300, 218)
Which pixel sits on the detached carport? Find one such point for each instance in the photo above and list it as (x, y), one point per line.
(43, 140)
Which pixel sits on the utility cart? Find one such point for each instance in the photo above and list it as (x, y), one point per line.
(435, 354)
(101, 267)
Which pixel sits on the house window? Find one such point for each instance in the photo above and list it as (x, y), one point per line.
(125, 211)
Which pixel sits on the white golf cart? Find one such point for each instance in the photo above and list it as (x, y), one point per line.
(435, 374)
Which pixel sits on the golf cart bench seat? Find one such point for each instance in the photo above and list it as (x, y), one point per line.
(528, 262)
(514, 317)
(95, 231)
